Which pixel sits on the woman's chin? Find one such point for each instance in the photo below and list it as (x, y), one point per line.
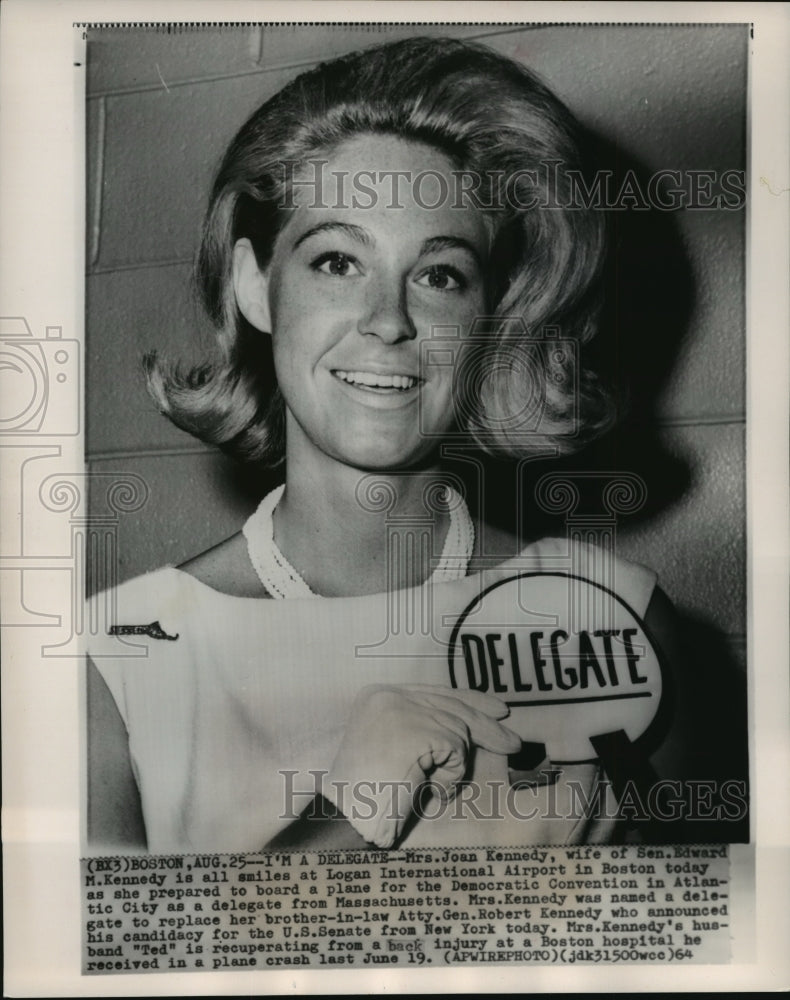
(388, 465)
(386, 457)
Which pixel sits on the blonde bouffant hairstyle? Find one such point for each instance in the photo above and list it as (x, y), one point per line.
(494, 120)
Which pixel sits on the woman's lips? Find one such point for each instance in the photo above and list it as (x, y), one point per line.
(377, 381)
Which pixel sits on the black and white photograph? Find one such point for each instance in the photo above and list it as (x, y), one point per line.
(407, 566)
(512, 346)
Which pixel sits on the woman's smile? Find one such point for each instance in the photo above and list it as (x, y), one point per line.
(378, 381)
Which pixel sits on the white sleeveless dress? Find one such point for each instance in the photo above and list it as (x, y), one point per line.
(231, 703)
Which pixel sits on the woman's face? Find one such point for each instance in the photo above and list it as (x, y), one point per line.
(357, 282)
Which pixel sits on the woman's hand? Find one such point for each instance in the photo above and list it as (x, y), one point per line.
(397, 737)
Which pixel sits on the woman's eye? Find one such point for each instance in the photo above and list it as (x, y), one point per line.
(339, 265)
(442, 278)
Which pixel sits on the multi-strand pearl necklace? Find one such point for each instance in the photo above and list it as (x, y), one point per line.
(282, 581)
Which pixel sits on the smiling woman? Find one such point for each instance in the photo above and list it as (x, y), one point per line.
(352, 293)
(388, 266)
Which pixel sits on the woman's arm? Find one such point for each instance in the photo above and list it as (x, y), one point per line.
(115, 816)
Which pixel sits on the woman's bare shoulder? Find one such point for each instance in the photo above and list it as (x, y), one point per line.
(226, 567)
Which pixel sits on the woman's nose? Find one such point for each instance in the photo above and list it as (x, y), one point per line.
(386, 313)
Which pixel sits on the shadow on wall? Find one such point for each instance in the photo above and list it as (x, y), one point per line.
(722, 742)
(648, 300)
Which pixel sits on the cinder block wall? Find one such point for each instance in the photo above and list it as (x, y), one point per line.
(161, 108)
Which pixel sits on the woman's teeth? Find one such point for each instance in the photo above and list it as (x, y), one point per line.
(378, 381)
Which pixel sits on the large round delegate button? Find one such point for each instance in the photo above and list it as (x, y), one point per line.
(570, 658)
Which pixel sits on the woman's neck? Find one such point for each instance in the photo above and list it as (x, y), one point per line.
(349, 532)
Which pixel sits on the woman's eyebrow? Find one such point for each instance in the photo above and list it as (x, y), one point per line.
(355, 232)
(435, 244)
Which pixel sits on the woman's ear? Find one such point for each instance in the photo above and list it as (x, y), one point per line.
(251, 286)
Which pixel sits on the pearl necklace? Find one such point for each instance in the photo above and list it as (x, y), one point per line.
(282, 581)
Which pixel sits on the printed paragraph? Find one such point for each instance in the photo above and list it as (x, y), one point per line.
(554, 905)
